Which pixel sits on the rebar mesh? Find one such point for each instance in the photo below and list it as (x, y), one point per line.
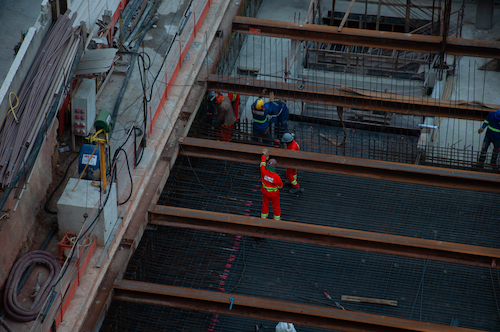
(156, 318)
(424, 290)
(396, 208)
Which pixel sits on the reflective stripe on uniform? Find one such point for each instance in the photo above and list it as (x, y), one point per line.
(260, 121)
(277, 217)
(262, 163)
(493, 129)
(264, 216)
(269, 188)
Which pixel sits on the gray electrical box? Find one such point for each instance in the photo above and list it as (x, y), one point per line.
(83, 108)
(80, 197)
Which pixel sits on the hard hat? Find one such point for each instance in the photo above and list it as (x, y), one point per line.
(212, 96)
(285, 327)
(287, 137)
(259, 104)
(497, 114)
(272, 162)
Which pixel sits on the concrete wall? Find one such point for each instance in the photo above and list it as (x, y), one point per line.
(15, 230)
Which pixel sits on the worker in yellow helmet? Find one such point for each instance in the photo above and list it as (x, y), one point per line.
(260, 120)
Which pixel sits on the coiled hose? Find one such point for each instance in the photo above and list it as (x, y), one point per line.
(12, 307)
(5, 326)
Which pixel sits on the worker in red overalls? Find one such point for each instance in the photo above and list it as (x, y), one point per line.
(227, 112)
(271, 183)
(291, 174)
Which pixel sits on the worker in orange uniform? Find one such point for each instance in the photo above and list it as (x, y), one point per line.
(234, 98)
(226, 116)
(291, 174)
(271, 184)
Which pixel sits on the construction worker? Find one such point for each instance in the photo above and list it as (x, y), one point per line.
(492, 121)
(234, 98)
(291, 174)
(225, 117)
(260, 120)
(279, 114)
(271, 184)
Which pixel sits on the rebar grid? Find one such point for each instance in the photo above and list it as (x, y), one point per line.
(126, 316)
(445, 142)
(421, 211)
(424, 290)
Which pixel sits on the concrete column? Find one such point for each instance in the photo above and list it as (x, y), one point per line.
(484, 14)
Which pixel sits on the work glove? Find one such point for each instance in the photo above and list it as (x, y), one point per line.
(480, 130)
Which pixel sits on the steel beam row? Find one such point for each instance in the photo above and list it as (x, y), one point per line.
(318, 94)
(268, 309)
(368, 38)
(325, 236)
(367, 168)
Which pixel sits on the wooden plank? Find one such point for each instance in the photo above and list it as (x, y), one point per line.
(369, 300)
(345, 16)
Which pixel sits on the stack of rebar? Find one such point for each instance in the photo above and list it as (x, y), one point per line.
(38, 91)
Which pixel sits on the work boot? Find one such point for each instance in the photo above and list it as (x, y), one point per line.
(295, 191)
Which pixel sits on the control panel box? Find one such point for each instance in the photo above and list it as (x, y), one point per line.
(83, 110)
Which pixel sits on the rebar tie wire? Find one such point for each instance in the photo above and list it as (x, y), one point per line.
(12, 108)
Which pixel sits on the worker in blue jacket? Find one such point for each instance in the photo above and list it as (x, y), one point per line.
(279, 115)
(260, 120)
(492, 121)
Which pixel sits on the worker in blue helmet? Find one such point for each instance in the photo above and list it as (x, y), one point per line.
(278, 112)
(492, 121)
(260, 121)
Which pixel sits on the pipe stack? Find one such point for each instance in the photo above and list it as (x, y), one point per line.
(48, 71)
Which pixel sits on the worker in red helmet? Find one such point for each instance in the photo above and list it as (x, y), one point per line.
(225, 114)
(291, 173)
(271, 184)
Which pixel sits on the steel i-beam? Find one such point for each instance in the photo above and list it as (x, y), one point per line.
(368, 38)
(269, 309)
(325, 236)
(368, 168)
(384, 102)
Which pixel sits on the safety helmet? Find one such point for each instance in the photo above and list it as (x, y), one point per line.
(285, 327)
(272, 162)
(259, 104)
(497, 114)
(212, 96)
(287, 138)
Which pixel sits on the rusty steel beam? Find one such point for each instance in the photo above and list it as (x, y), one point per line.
(369, 38)
(268, 309)
(318, 94)
(367, 168)
(325, 236)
